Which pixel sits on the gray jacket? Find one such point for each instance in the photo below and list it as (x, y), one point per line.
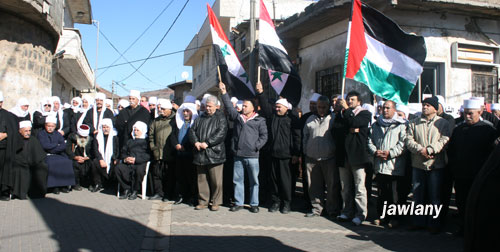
(391, 138)
(318, 138)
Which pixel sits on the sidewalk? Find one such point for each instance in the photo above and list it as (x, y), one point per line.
(84, 221)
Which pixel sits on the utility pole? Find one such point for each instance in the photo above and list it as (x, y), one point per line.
(252, 41)
(96, 53)
(113, 90)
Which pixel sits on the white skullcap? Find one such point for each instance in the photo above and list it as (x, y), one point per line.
(239, 104)
(441, 101)
(22, 102)
(107, 121)
(495, 106)
(481, 99)
(66, 105)
(369, 107)
(283, 102)
(403, 108)
(55, 99)
(24, 124)
(165, 103)
(314, 97)
(83, 130)
(472, 104)
(153, 100)
(88, 98)
(197, 102)
(189, 99)
(108, 101)
(77, 99)
(234, 99)
(1, 96)
(141, 126)
(136, 94)
(123, 103)
(100, 96)
(51, 119)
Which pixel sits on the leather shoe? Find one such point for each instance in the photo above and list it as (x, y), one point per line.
(274, 207)
(133, 196)
(65, 190)
(235, 208)
(178, 201)
(77, 187)
(4, 198)
(96, 188)
(311, 214)
(286, 209)
(254, 209)
(55, 191)
(200, 207)
(214, 208)
(156, 197)
(125, 195)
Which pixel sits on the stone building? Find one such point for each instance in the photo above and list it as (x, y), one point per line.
(40, 51)
(199, 53)
(461, 36)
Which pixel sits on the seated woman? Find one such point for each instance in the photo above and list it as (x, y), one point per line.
(135, 155)
(61, 175)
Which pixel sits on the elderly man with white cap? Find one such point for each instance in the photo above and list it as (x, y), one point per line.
(80, 149)
(135, 156)
(495, 110)
(129, 116)
(8, 131)
(485, 115)
(164, 161)
(470, 146)
(97, 113)
(107, 151)
(61, 175)
(152, 103)
(284, 139)
(29, 169)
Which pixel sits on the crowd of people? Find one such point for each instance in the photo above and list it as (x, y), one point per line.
(205, 153)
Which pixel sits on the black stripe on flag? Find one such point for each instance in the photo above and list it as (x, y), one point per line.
(385, 30)
(292, 90)
(234, 85)
(273, 58)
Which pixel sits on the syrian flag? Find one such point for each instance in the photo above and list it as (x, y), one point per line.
(381, 55)
(232, 72)
(274, 58)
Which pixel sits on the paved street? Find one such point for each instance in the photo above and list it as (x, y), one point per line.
(84, 221)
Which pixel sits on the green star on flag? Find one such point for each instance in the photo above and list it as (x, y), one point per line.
(225, 51)
(276, 75)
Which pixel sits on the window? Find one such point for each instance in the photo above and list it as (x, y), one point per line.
(429, 82)
(484, 83)
(328, 81)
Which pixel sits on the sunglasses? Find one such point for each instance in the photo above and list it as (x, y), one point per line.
(47, 105)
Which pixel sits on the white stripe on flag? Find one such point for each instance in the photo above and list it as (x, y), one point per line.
(392, 60)
(268, 36)
(276, 83)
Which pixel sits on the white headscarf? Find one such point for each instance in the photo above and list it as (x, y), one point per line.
(46, 100)
(77, 108)
(141, 126)
(179, 117)
(17, 109)
(108, 152)
(90, 101)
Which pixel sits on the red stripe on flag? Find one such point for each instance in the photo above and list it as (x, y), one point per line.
(357, 42)
(264, 15)
(216, 25)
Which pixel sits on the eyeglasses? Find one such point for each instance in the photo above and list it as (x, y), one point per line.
(47, 105)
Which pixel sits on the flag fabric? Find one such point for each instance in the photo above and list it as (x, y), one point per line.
(381, 55)
(274, 58)
(232, 72)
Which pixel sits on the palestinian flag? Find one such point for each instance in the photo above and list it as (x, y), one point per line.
(232, 72)
(274, 58)
(381, 55)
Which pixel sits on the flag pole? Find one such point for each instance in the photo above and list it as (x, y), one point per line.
(347, 49)
(258, 73)
(218, 71)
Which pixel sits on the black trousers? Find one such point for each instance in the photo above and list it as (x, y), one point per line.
(462, 188)
(186, 178)
(83, 171)
(390, 190)
(281, 181)
(99, 174)
(130, 176)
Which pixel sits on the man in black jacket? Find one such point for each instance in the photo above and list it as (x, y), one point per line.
(284, 145)
(79, 148)
(470, 145)
(129, 116)
(207, 135)
(106, 154)
(249, 136)
(355, 120)
(97, 113)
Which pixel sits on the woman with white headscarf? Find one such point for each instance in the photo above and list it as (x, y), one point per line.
(87, 104)
(74, 113)
(21, 110)
(135, 155)
(40, 115)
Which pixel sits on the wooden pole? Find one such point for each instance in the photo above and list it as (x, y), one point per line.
(258, 73)
(343, 87)
(218, 71)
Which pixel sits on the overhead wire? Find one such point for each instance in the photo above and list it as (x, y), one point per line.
(158, 44)
(140, 36)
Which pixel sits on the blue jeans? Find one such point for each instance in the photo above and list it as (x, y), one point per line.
(252, 166)
(427, 187)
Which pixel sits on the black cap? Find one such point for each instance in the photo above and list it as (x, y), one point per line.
(433, 101)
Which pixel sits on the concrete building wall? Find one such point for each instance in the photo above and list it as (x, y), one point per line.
(62, 88)
(325, 48)
(25, 60)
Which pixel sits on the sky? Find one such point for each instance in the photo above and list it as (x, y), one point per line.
(122, 22)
